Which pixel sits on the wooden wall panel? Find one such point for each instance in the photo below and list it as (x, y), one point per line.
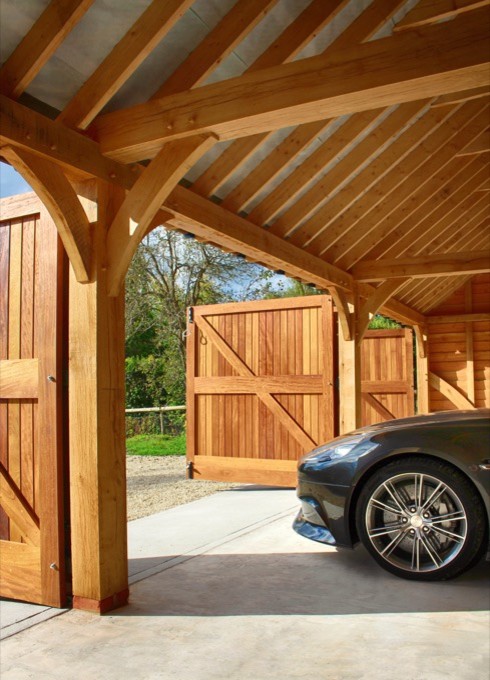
(387, 375)
(459, 350)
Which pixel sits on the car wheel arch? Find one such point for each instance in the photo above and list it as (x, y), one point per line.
(399, 456)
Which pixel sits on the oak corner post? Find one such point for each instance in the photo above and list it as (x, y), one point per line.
(96, 429)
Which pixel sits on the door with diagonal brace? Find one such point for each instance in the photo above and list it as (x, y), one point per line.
(260, 387)
(31, 514)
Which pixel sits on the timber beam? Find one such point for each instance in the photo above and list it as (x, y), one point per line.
(453, 264)
(432, 11)
(435, 60)
(217, 225)
(81, 157)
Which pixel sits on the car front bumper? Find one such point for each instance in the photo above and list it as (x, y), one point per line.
(309, 523)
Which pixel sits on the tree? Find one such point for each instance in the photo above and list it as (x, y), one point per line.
(170, 273)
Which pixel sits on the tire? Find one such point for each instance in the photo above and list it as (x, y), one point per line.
(421, 519)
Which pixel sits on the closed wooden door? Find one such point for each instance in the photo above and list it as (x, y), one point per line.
(31, 513)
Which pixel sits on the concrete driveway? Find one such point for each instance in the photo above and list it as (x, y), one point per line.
(224, 589)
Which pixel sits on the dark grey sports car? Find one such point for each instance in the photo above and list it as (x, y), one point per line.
(414, 491)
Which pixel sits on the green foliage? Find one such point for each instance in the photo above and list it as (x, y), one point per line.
(381, 322)
(145, 381)
(156, 445)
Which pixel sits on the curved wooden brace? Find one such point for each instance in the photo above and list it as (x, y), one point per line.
(144, 200)
(343, 311)
(376, 300)
(61, 201)
(449, 391)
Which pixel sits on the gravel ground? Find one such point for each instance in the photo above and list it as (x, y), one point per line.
(157, 483)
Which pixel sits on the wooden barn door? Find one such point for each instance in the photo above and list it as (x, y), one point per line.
(260, 387)
(387, 375)
(31, 520)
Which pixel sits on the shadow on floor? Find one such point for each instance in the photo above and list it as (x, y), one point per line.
(332, 583)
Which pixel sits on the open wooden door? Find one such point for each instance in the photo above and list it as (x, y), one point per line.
(31, 512)
(260, 387)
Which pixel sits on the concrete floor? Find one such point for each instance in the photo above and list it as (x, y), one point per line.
(224, 589)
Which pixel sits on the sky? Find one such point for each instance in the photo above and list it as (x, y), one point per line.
(11, 183)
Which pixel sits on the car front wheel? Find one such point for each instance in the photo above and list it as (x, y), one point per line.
(421, 519)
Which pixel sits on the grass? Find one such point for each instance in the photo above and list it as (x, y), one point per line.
(156, 445)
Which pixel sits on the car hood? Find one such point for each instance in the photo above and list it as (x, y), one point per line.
(441, 417)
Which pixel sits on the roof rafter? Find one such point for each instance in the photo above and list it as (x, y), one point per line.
(403, 68)
(406, 178)
(433, 11)
(235, 25)
(155, 22)
(315, 17)
(37, 46)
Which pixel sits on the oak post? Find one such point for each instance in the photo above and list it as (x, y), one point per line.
(422, 371)
(350, 375)
(96, 428)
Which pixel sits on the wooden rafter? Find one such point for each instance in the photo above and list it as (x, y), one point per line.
(429, 203)
(62, 203)
(364, 27)
(479, 145)
(315, 17)
(216, 46)
(311, 89)
(37, 46)
(474, 262)
(343, 138)
(375, 208)
(144, 201)
(323, 228)
(155, 22)
(441, 237)
(433, 11)
(304, 208)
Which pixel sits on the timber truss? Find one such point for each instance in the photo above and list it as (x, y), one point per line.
(345, 143)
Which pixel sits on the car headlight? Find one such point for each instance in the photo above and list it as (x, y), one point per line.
(337, 449)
